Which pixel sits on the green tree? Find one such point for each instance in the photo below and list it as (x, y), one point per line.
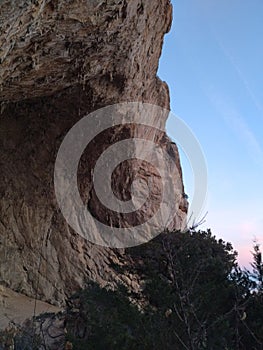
(257, 267)
(194, 296)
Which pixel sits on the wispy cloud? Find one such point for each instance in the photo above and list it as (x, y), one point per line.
(241, 75)
(242, 129)
(230, 57)
(237, 123)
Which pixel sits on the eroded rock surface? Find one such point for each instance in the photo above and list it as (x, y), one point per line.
(61, 60)
(16, 308)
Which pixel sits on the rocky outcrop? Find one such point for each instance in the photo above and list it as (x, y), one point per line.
(110, 48)
(61, 60)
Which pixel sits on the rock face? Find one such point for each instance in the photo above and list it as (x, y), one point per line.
(61, 60)
(18, 308)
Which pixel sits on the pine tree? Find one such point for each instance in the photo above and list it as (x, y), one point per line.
(257, 265)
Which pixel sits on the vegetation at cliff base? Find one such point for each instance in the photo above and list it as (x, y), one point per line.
(193, 296)
(185, 291)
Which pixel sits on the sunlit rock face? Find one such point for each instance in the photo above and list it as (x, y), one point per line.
(61, 60)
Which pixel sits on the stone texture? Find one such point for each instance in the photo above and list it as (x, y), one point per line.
(61, 60)
(50, 45)
(16, 308)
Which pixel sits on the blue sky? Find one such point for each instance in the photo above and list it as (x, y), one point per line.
(212, 61)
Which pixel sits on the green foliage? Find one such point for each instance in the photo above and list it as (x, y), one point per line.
(109, 319)
(195, 297)
(257, 266)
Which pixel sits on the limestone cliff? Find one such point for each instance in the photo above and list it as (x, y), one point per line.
(61, 60)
